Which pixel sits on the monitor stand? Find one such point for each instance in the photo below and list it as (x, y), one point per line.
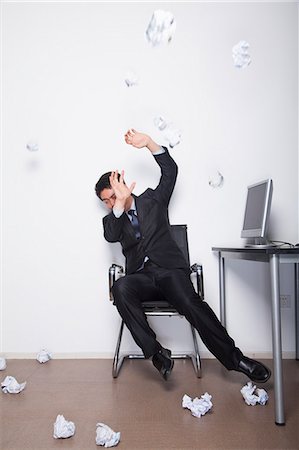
(259, 243)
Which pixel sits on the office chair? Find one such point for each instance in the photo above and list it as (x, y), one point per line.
(159, 308)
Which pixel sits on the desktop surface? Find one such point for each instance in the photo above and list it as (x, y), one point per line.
(256, 254)
(264, 249)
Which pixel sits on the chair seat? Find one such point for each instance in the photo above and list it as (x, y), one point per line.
(158, 306)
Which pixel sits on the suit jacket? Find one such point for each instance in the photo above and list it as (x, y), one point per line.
(156, 240)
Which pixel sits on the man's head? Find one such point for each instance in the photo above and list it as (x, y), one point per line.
(119, 195)
(104, 191)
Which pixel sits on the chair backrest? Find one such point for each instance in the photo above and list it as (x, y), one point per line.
(158, 307)
(179, 233)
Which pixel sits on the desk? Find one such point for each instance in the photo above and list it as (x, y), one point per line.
(274, 256)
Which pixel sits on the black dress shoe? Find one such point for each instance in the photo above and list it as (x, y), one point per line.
(163, 362)
(255, 370)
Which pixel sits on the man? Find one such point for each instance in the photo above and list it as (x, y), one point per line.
(156, 267)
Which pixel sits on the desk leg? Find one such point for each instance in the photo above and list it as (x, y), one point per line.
(222, 289)
(297, 308)
(276, 338)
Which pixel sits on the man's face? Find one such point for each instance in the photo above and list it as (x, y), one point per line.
(108, 197)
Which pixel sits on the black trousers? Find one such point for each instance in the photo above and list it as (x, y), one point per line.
(175, 286)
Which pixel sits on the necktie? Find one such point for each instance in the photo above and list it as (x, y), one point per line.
(135, 223)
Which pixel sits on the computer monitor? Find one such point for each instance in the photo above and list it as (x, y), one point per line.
(257, 211)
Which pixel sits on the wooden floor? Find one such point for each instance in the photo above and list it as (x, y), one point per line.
(142, 406)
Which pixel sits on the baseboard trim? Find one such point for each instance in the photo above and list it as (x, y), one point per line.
(109, 355)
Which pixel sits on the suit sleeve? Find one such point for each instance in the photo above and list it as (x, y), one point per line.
(169, 171)
(113, 227)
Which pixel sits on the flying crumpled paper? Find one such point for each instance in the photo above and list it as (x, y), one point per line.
(160, 123)
(198, 406)
(2, 364)
(105, 436)
(170, 132)
(172, 135)
(131, 79)
(216, 179)
(252, 399)
(63, 428)
(240, 55)
(32, 145)
(44, 356)
(161, 28)
(11, 386)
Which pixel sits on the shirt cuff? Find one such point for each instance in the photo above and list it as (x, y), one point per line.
(117, 211)
(159, 152)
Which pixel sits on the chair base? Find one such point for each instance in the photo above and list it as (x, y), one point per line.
(118, 359)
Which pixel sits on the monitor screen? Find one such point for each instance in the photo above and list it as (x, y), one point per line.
(257, 209)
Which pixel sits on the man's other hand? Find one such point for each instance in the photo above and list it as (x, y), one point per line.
(140, 140)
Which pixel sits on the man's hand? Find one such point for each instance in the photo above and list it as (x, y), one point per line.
(140, 140)
(121, 190)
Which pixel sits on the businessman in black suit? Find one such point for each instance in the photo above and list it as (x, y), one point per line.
(156, 267)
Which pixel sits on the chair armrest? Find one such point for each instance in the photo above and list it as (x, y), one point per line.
(198, 270)
(115, 270)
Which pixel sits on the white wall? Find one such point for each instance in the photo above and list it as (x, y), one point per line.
(63, 86)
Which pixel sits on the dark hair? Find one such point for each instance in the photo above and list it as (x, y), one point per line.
(103, 183)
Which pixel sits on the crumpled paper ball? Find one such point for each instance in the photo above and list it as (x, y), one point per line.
(161, 28)
(241, 55)
(11, 386)
(131, 79)
(170, 132)
(2, 364)
(216, 179)
(252, 399)
(198, 406)
(105, 436)
(160, 123)
(32, 145)
(43, 356)
(63, 428)
(172, 135)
